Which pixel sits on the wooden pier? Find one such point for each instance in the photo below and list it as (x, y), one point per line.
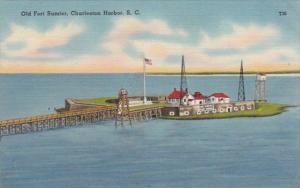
(71, 118)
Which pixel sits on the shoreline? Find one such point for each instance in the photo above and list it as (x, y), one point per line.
(263, 110)
(226, 73)
(215, 75)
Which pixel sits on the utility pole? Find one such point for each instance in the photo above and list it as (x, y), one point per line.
(144, 69)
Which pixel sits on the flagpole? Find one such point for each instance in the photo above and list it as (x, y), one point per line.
(144, 67)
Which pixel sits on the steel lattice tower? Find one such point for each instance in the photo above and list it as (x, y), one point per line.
(241, 92)
(122, 108)
(183, 80)
(260, 87)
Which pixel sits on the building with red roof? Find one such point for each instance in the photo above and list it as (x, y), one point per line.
(218, 98)
(199, 98)
(175, 96)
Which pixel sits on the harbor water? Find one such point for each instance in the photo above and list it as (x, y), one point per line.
(224, 153)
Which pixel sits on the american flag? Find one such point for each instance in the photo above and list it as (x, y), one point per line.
(148, 61)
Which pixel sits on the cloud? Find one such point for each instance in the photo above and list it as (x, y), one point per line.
(272, 56)
(158, 50)
(199, 59)
(161, 50)
(33, 44)
(241, 37)
(36, 44)
(124, 28)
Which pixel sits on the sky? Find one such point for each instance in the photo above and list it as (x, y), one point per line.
(213, 36)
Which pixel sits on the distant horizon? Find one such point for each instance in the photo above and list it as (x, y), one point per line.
(159, 73)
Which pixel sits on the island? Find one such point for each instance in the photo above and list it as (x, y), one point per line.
(183, 104)
(261, 109)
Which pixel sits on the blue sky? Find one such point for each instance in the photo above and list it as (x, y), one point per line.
(213, 36)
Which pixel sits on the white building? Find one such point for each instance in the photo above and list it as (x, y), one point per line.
(199, 98)
(218, 98)
(188, 100)
(175, 96)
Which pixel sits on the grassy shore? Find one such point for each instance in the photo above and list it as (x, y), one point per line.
(148, 106)
(98, 101)
(262, 109)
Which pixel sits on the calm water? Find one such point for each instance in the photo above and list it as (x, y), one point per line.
(233, 153)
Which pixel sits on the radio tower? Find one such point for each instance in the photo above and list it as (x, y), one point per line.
(241, 92)
(122, 108)
(183, 81)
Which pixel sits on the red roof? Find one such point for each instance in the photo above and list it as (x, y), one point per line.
(176, 94)
(199, 96)
(219, 95)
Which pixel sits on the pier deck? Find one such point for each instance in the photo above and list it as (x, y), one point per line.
(71, 118)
